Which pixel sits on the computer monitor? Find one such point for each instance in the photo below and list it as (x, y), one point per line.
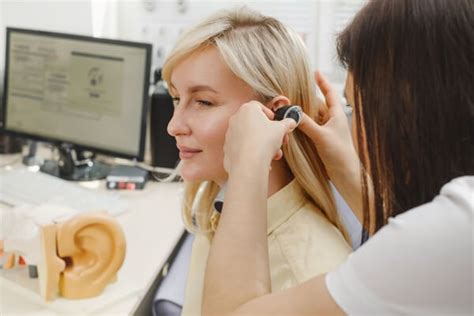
(81, 93)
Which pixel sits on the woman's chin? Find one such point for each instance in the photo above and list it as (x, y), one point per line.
(199, 175)
(192, 175)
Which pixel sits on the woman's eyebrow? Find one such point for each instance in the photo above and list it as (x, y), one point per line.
(194, 89)
(197, 88)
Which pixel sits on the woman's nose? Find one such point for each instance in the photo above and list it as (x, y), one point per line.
(177, 125)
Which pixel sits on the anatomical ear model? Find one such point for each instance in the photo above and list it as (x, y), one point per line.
(76, 257)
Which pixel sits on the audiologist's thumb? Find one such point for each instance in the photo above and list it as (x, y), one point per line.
(289, 125)
(310, 128)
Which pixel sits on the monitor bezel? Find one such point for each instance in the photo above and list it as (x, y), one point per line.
(80, 146)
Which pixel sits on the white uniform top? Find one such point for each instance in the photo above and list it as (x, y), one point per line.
(420, 263)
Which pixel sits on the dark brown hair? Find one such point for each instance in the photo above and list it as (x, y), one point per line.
(413, 68)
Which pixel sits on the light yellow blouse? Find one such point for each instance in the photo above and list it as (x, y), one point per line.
(302, 243)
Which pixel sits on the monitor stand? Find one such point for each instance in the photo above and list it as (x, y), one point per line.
(75, 165)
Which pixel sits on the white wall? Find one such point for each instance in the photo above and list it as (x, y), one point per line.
(333, 16)
(70, 16)
(2, 48)
(160, 21)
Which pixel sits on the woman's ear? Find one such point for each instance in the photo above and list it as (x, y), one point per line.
(277, 102)
(93, 247)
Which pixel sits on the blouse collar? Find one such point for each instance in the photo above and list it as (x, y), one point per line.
(283, 204)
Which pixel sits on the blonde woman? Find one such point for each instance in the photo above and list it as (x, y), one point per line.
(229, 59)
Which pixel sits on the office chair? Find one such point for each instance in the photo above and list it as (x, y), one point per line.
(165, 295)
(169, 295)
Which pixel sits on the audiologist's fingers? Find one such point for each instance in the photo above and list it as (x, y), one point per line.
(309, 127)
(289, 124)
(328, 91)
(269, 113)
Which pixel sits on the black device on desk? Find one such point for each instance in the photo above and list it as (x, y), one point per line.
(83, 94)
(127, 178)
(164, 153)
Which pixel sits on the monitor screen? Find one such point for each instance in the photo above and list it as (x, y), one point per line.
(89, 92)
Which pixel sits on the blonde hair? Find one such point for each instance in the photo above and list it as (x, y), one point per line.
(273, 60)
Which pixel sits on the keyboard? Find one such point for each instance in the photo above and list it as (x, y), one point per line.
(22, 187)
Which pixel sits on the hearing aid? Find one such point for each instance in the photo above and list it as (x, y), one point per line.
(290, 111)
(218, 205)
(219, 200)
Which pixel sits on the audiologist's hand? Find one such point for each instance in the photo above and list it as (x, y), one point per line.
(332, 137)
(333, 140)
(254, 136)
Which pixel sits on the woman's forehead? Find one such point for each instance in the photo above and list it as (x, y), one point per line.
(205, 70)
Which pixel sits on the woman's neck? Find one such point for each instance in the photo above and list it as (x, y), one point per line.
(280, 175)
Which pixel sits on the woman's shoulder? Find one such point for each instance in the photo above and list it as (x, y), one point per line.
(310, 243)
(309, 220)
(312, 216)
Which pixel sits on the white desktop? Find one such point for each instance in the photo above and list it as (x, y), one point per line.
(84, 96)
(152, 226)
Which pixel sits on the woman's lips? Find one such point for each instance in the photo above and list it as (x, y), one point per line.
(187, 153)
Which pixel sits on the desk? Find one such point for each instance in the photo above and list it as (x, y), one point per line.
(152, 227)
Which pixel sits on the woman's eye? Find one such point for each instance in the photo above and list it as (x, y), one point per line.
(175, 101)
(204, 102)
